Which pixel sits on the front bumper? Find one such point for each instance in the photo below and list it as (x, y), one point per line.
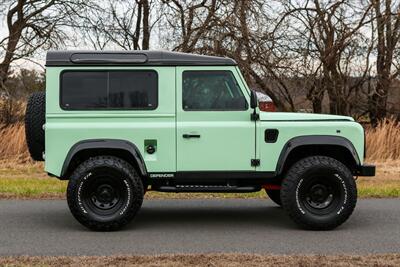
(365, 170)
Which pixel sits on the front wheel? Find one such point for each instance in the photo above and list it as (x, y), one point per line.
(319, 193)
(104, 193)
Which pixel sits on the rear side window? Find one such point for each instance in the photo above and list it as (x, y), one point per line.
(93, 90)
(211, 91)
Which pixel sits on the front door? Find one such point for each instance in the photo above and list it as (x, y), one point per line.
(214, 129)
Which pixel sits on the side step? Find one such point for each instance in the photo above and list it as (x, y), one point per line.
(208, 188)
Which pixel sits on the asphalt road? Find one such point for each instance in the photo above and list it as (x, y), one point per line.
(46, 227)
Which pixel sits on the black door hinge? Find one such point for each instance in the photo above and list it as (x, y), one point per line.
(255, 162)
(254, 116)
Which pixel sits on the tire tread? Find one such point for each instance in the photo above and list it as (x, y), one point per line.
(35, 118)
(112, 162)
(288, 194)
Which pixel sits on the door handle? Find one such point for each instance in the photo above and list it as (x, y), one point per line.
(191, 136)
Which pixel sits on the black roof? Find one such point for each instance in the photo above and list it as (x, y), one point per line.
(137, 57)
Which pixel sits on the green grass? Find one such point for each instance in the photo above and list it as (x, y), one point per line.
(386, 190)
(27, 187)
(31, 182)
(31, 187)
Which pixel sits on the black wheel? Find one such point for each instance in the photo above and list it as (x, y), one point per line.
(319, 193)
(275, 196)
(34, 120)
(104, 193)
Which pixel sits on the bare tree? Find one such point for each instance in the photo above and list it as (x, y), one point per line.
(387, 65)
(237, 29)
(189, 22)
(32, 24)
(301, 53)
(125, 24)
(331, 29)
(264, 60)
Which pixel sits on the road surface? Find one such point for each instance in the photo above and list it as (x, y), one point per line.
(46, 227)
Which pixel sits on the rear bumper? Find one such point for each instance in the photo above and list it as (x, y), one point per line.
(365, 170)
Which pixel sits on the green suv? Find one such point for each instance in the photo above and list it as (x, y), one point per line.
(118, 124)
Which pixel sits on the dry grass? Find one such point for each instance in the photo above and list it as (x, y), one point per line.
(383, 142)
(12, 110)
(13, 147)
(233, 260)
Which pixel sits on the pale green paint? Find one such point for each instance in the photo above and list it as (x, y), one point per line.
(268, 153)
(66, 128)
(276, 116)
(229, 139)
(291, 125)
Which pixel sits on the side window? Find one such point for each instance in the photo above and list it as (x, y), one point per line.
(211, 90)
(96, 90)
(84, 90)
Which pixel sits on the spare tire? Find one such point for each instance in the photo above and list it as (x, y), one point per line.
(35, 118)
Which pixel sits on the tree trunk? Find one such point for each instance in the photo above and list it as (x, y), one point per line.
(337, 105)
(15, 35)
(15, 32)
(378, 101)
(146, 28)
(315, 94)
(6, 109)
(388, 38)
(317, 105)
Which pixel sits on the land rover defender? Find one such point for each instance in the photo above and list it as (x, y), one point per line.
(117, 124)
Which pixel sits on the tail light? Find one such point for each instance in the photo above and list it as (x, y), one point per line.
(267, 106)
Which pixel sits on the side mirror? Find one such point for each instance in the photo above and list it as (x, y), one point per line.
(253, 99)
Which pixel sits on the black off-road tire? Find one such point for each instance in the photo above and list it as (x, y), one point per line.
(302, 197)
(85, 199)
(275, 196)
(35, 118)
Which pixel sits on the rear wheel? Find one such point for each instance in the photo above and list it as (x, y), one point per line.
(275, 196)
(105, 193)
(319, 193)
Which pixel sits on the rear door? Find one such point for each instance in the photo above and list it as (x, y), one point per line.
(214, 130)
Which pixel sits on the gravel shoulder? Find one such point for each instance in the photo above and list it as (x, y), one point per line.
(232, 260)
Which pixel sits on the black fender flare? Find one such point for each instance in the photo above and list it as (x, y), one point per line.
(305, 140)
(91, 144)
